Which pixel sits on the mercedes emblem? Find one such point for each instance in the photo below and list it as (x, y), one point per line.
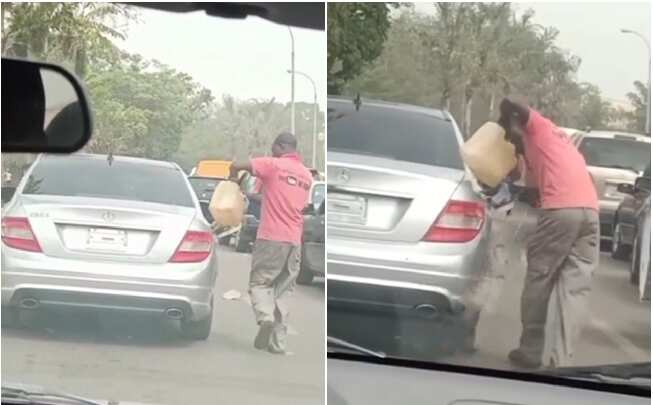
(108, 216)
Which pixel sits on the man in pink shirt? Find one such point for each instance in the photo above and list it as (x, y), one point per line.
(564, 250)
(285, 184)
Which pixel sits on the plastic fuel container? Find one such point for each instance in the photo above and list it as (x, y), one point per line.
(488, 155)
(227, 204)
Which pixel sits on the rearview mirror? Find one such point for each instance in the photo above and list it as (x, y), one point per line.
(626, 188)
(44, 108)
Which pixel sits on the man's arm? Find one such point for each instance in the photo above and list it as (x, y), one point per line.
(237, 167)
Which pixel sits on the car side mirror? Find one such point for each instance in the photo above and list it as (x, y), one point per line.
(626, 188)
(44, 108)
(309, 210)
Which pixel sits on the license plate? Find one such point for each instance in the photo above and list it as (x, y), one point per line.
(106, 239)
(346, 209)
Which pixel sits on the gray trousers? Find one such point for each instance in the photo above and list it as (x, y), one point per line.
(562, 256)
(275, 266)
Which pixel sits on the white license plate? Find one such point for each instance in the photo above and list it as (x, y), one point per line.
(106, 239)
(346, 209)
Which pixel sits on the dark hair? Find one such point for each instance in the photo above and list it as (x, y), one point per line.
(287, 140)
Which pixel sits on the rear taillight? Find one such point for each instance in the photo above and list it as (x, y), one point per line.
(195, 247)
(461, 221)
(17, 233)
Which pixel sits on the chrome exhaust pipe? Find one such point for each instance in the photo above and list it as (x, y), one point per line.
(427, 311)
(174, 313)
(29, 303)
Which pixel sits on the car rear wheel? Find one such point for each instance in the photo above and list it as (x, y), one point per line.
(619, 251)
(197, 330)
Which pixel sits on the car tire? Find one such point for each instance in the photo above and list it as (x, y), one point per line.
(197, 330)
(9, 317)
(634, 263)
(618, 250)
(305, 276)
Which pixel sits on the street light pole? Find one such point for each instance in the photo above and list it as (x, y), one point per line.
(314, 152)
(292, 82)
(648, 69)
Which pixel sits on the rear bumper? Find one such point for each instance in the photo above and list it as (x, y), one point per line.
(406, 278)
(55, 282)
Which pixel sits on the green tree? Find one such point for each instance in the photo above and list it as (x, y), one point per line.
(638, 99)
(241, 129)
(142, 107)
(355, 36)
(74, 34)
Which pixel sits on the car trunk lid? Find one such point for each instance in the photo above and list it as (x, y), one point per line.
(107, 229)
(383, 199)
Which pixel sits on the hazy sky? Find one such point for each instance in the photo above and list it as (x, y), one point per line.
(243, 58)
(610, 59)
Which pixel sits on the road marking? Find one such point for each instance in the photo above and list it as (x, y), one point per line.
(624, 344)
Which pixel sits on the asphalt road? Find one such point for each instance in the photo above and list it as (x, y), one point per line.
(617, 331)
(141, 359)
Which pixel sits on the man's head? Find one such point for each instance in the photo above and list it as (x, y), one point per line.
(284, 143)
(514, 118)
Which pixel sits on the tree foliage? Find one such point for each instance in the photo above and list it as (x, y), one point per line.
(74, 34)
(142, 107)
(242, 129)
(356, 33)
(463, 57)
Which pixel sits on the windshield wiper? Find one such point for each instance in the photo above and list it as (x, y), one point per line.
(631, 373)
(343, 344)
(36, 397)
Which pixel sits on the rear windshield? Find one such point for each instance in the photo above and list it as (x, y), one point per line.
(616, 153)
(392, 133)
(202, 185)
(89, 177)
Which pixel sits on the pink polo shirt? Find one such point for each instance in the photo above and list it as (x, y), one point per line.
(286, 184)
(556, 167)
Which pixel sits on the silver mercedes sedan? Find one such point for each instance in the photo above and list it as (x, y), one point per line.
(108, 232)
(407, 234)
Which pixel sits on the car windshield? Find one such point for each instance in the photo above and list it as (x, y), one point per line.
(122, 180)
(393, 133)
(120, 283)
(617, 153)
(318, 194)
(531, 274)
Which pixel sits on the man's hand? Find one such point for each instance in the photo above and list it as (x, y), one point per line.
(237, 167)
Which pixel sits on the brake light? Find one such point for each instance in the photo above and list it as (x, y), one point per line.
(195, 247)
(17, 233)
(461, 221)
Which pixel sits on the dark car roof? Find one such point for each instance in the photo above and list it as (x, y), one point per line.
(441, 114)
